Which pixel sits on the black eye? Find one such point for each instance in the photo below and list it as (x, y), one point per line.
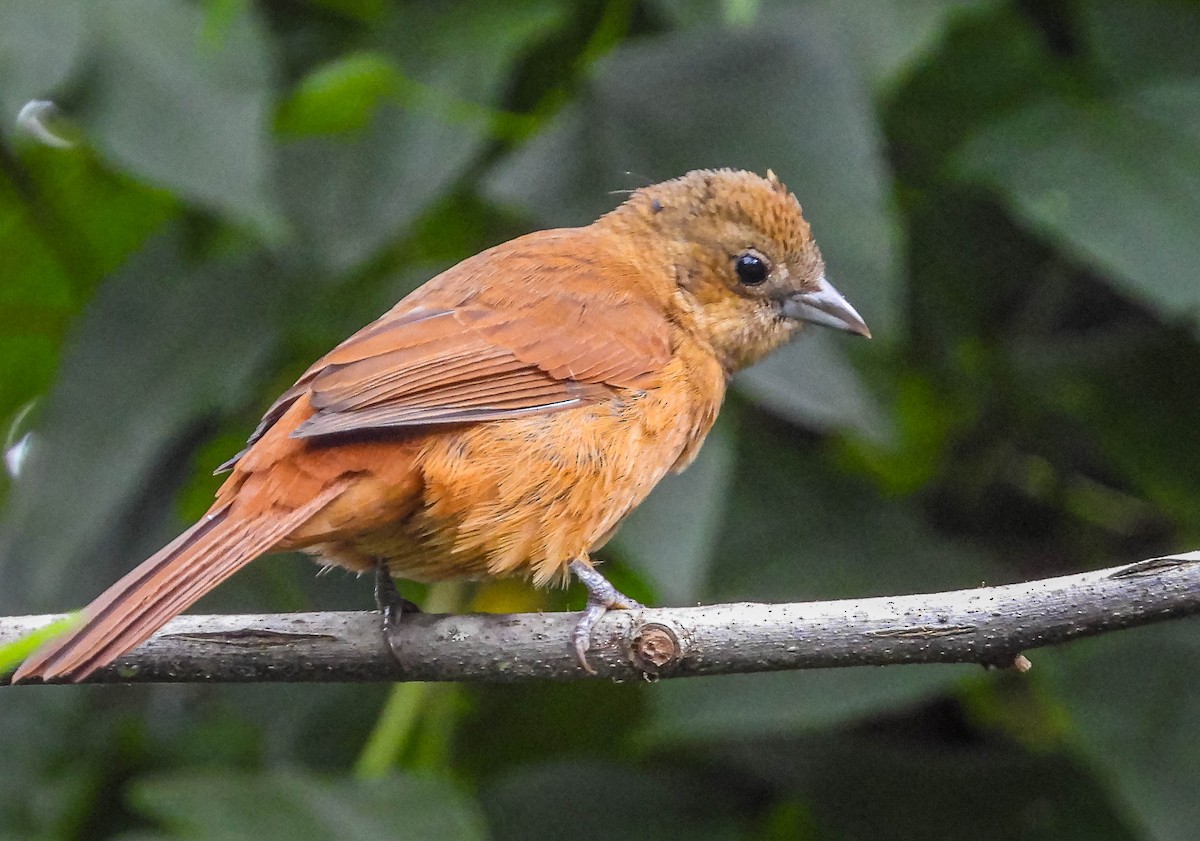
(751, 269)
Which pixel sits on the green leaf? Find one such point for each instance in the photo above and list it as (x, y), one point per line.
(672, 536)
(352, 195)
(339, 97)
(1172, 103)
(53, 743)
(465, 51)
(185, 105)
(302, 807)
(810, 383)
(889, 38)
(367, 11)
(165, 346)
(30, 361)
(1139, 40)
(797, 529)
(1133, 391)
(65, 222)
(94, 217)
(14, 652)
(885, 38)
(1117, 189)
(1134, 699)
(715, 709)
(41, 44)
(606, 801)
(987, 66)
(905, 780)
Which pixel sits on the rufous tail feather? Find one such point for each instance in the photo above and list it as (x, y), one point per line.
(163, 586)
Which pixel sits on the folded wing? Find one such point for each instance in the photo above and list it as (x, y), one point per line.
(465, 358)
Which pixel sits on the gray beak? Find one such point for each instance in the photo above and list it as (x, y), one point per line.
(827, 307)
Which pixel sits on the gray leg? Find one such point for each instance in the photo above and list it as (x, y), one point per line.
(389, 601)
(602, 597)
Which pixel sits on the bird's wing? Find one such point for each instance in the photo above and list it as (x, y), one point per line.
(482, 357)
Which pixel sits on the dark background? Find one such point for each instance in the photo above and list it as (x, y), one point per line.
(1008, 191)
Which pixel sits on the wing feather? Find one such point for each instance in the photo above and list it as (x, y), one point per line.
(498, 336)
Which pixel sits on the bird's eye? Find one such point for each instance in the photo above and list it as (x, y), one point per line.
(751, 269)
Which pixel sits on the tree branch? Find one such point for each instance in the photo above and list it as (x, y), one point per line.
(989, 625)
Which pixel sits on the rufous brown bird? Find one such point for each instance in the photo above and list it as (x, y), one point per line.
(504, 418)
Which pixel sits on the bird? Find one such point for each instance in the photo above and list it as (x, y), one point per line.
(503, 418)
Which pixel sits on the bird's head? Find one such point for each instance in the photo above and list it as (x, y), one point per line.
(747, 271)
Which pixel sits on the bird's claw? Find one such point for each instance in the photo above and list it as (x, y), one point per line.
(390, 603)
(602, 597)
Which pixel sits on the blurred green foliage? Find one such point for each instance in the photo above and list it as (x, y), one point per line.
(1008, 191)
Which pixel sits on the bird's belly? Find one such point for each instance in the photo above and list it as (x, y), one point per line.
(524, 497)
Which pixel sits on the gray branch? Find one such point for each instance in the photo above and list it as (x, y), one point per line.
(989, 625)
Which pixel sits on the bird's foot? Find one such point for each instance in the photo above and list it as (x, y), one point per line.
(602, 597)
(390, 603)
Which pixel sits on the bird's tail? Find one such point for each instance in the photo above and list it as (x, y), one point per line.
(162, 587)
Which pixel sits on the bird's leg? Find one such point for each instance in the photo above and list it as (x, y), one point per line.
(389, 601)
(602, 597)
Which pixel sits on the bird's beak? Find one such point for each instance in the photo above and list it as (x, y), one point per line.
(827, 307)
